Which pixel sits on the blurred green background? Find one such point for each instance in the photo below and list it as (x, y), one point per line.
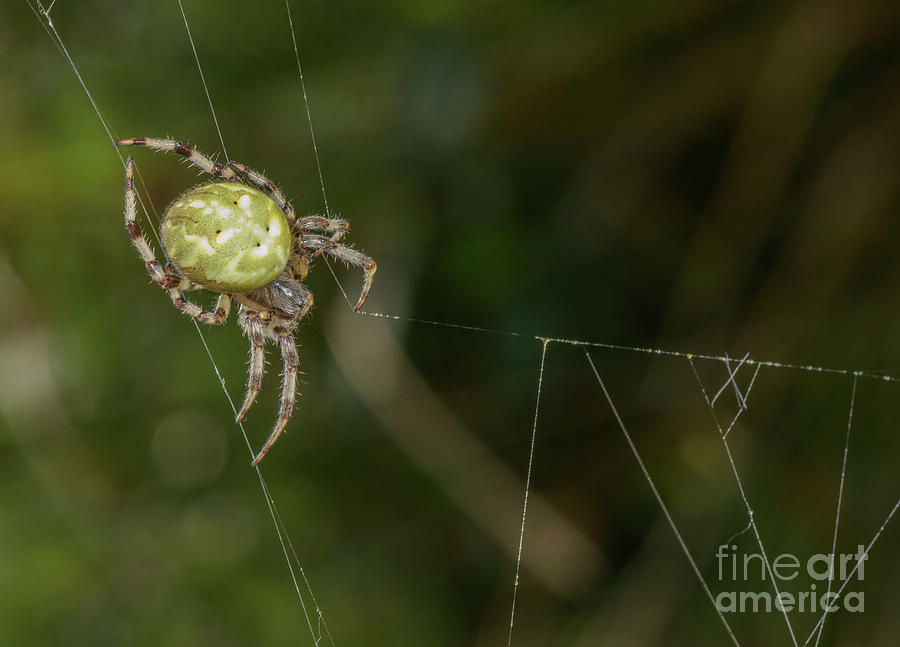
(718, 177)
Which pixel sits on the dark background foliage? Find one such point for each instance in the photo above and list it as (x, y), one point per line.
(709, 176)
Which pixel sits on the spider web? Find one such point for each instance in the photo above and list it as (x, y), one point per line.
(740, 378)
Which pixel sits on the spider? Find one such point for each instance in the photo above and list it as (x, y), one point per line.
(247, 244)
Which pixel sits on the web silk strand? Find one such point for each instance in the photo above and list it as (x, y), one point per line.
(752, 522)
(537, 408)
(659, 499)
(203, 79)
(840, 496)
(312, 132)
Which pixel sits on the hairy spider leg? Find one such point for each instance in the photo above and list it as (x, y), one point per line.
(166, 279)
(195, 157)
(337, 227)
(223, 307)
(308, 300)
(346, 254)
(253, 329)
(291, 362)
(268, 187)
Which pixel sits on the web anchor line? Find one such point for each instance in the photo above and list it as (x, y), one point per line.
(312, 132)
(202, 78)
(537, 408)
(647, 350)
(280, 530)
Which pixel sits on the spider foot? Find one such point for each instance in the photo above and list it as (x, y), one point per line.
(276, 432)
(243, 411)
(368, 272)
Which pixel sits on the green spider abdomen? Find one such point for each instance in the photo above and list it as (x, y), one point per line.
(227, 236)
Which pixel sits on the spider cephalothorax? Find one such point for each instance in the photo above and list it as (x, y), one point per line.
(247, 244)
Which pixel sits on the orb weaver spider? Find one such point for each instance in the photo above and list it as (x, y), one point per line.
(246, 243)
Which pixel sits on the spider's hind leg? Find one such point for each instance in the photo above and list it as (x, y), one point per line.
(288, 388)
(249, 321)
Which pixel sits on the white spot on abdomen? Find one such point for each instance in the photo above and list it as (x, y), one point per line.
(226, 235)
(244, 201)
(202, 241)
(232, 265)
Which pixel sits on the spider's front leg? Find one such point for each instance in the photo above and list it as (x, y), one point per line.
(195, 157)
(166, 278)
(337, 227)
(346, 254)
(268, 186)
